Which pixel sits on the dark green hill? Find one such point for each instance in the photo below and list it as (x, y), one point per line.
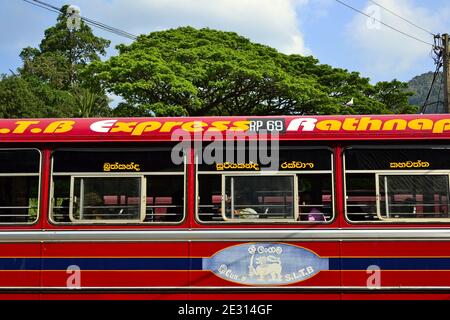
(421, 85)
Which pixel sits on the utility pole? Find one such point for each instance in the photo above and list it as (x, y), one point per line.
(446, 55)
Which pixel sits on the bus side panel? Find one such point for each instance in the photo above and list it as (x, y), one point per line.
(20, 265)
(268, 263)
(396, 264)
(115, 264)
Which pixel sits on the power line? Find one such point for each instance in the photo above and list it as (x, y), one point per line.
(439, 94)
(404, 19)
(47, 5)
(109, 28)
(88, 21)
(41, 6)
(385, 24)
(436, 72)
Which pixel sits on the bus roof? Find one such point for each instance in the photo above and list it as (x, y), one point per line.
(326, 128)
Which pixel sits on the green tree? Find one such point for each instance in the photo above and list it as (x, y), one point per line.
(20, 98)
(395, 95)
(186, 71)
(89, 104)
(54, 80)
(63, 54)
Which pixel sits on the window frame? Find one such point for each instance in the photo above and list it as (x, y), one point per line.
(39, 175)
(143, 204)
(248, 174)
(330, 172)
(144, 174)
(408, 173)
(376, 174)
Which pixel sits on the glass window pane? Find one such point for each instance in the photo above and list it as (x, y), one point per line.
(361, 201)
(19, 199)
(259, 197)
(165, 199)
(284, 158)
(108, 161)
(397, 158)
(19, 185)
(61, 199)
(414, 196)
(315, 196)
(109, 198)
(210, 197)
(19, 161)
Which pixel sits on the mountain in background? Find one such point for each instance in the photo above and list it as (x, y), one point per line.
(420, 85)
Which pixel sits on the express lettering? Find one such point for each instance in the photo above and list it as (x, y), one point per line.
(139, 128)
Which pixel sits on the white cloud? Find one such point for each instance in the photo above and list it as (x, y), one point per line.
(271, 22)
(385, 51)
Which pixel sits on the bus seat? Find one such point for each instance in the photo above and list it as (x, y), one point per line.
(110, 200)
(216, 199)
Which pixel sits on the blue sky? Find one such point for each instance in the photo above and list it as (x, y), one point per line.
(325, 29)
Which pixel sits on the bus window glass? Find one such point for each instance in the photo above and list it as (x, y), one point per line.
(361, 197)
(414, 196)
(210, 197)
(296, 188)
(315, 197)
(106, 199)
(394, 184)
(165, 198)
(116, 186)
(19, 186)
(259, 197)
(61, 198)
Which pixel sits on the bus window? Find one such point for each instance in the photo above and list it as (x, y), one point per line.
(116, 186)
(361, 200)
(106, 198)
(414, 196)
(210, 198)
(259, 197)
(315, 197)
(165, 198)
(298, 190)
(397, 184)
(19, 186)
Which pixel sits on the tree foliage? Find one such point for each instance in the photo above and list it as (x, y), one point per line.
(193, 72)
(53, 81)
(20, 98)
(63, 54)
(183, 72)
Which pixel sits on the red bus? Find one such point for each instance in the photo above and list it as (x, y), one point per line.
(282, 207)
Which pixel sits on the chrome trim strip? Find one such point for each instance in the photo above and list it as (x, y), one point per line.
(226, 235)
(233, 288)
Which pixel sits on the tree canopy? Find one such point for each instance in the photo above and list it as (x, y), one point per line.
(193, 72)
(182, 72)
(53, 81)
